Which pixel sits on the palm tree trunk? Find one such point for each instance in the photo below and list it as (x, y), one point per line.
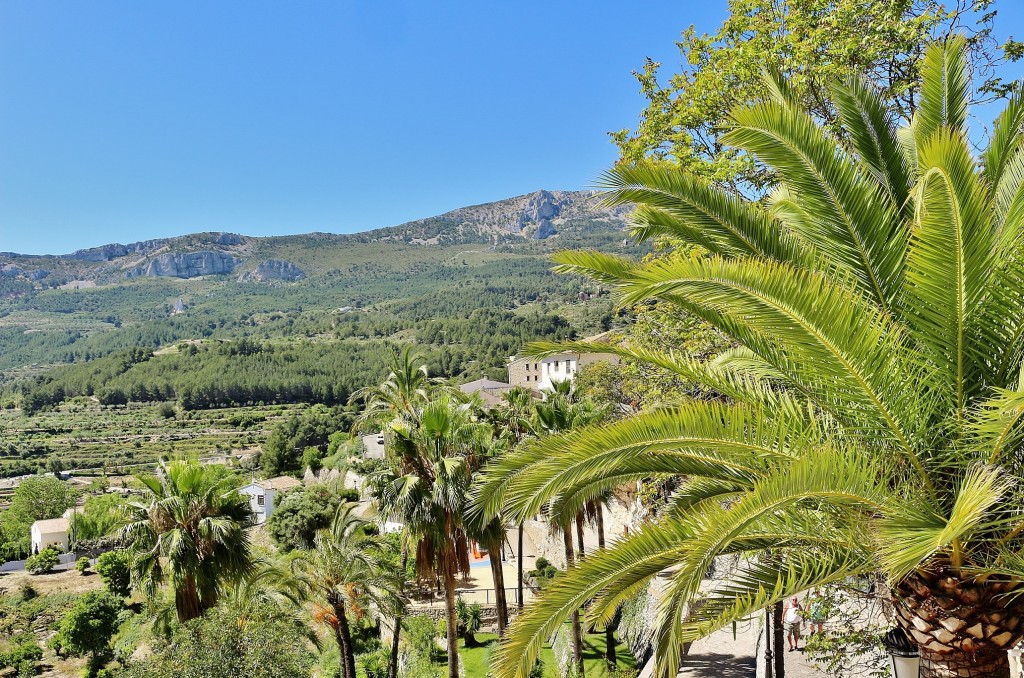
(519, 566)
(962, 627)
(964, 665)
(609, 628)
(579, 534)
(577, 632)
(778, 640)
(393, 666)
(186, 601)
(343, 635)
(452, 623)
(498, 575)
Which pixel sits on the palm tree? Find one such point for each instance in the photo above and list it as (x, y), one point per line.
(405, 389)
(875, 412)
(190, 530)
(562, 411)
(426, 486)
(399, 397)
(347, 569)
(515, 421)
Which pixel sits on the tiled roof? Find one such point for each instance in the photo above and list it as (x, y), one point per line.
(280, 483)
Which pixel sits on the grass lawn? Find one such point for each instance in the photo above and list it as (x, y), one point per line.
(475, 658)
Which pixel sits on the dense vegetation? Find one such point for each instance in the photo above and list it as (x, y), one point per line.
(325, 369)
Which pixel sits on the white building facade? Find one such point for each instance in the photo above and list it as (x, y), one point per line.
(262, 494)
(52, 532)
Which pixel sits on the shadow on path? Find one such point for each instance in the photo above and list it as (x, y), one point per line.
(715, 665)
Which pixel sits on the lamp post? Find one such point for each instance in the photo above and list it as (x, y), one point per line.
(903, 656)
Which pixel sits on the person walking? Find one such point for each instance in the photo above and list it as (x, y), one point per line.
(816, 612)
(792, 615)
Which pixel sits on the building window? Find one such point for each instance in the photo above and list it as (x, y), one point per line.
(527, 367)
(259, 499)
(527, 377)
(556, 364)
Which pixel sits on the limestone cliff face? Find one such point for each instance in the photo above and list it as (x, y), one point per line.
(187, 265)
(540, 209)
(538, 215)
(275, 269)
(115, 250)
(12, 271)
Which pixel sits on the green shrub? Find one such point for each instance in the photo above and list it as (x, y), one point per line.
(27, 592)
(470, 620)
(420, 635)
(114, 567)
(88, 627)
(541, 564)
(23, 649)
(375, 664)
(82, 564)
(44, 561)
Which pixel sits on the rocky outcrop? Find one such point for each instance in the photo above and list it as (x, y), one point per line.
(540, 209)
(540, 206)
(275, 269)
(115, 250)
(187, 265)
(228, 239)
(12, 271)
(544, 230)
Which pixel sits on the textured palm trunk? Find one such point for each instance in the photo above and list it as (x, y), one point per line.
(609, 629)
(778, 640)
(577, 631)
(519, 567)
(579, 534)
(393, 666)
(963, 628)
(186, 601)
(452, 623)
(343, 636)
(498, 575)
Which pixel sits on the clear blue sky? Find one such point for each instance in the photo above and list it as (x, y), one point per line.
(122, 121)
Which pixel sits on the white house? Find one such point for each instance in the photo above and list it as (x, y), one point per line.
(53, 532)
(262, 493)
(541, 374)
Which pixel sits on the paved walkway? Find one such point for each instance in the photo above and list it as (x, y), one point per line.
(723, 655)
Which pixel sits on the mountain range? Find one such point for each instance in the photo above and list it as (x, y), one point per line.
(74, 307)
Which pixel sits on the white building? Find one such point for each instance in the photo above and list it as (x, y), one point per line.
(541, 374)
(262, 493)
(53, 532)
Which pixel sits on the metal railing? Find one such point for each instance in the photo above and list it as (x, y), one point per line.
(472, 596)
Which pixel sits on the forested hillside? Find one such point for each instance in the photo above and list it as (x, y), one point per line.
(218, 319)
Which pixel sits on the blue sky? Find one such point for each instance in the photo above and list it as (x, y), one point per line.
(122, 121)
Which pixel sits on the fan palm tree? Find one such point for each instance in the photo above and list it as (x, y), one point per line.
(874, 400)
(406, 387)
(515, 423)
(190, 530)
(562, 411)
(399, 397)
(426, 487)
(347, 570)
